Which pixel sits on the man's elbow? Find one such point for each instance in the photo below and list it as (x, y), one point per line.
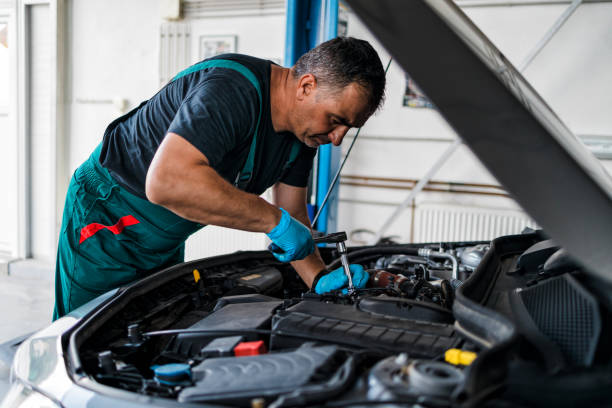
(156, 188)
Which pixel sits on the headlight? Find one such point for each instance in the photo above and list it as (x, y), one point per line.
(21, 396)
(35, 360)
(38, 374)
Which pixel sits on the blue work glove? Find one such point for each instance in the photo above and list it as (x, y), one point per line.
(336, 279)
(291, 240)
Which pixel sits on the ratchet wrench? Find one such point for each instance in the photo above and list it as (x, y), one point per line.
(339, 239)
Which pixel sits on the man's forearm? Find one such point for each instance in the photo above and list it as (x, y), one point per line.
(195, 191)
(205, 197)
(309, 267)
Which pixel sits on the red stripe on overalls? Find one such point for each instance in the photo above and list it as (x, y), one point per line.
(91, 229)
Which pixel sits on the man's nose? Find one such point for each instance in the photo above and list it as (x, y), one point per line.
(336, 135)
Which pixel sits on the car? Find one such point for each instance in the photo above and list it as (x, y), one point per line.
(522, 320)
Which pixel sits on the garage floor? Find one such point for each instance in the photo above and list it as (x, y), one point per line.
(26, 303)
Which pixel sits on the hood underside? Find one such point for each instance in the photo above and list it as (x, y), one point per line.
(503, 120)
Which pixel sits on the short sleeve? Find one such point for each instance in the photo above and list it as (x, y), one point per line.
(218, 115)
(299, 172)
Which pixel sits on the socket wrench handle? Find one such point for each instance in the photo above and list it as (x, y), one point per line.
(332, 238)
(345, 264)
(338, 238)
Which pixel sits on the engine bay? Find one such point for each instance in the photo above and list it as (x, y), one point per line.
(435, 326)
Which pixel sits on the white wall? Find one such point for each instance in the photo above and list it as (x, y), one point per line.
(39, 129)
(8, 140)
(262, 36)
(113, 55)
(8, 166)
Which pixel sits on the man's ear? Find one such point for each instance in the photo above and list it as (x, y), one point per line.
(306, 84)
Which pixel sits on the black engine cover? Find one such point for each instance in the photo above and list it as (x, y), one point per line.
(237, 380)
(349, 326)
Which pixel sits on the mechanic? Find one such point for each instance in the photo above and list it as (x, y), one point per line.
(200, 152)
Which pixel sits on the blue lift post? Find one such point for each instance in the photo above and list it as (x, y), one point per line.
(309, 23)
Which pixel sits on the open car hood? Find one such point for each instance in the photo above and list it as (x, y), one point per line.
(503, 120)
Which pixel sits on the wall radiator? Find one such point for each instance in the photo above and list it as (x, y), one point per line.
(430, 225)
(174, 50)
(212, 240)
(445, 224)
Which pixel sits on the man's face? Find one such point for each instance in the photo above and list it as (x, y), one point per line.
(325, 116)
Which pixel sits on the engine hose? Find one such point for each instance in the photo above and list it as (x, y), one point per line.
(384, 279)
(310, 394)
(385, 250)
(429, 253)
(414, 290)
(448, 293)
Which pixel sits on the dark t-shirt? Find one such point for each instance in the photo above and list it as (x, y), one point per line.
(216, 110)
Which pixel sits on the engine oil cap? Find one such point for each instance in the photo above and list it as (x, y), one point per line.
(172, 374)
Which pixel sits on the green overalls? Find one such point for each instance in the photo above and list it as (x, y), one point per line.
(110, 237)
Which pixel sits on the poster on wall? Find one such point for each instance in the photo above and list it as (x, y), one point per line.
(211, 45)
(414, 97)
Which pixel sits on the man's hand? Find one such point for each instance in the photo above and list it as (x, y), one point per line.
(329, 281)
(293, 199)
(291, 239)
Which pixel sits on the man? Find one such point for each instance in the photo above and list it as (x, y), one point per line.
(200, 152)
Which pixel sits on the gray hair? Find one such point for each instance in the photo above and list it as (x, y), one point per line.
(341, 61)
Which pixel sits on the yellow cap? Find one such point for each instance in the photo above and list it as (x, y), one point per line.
(459, 357)
(196, 275)
(258, 403)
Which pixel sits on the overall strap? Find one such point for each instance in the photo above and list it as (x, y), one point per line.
(244, 176)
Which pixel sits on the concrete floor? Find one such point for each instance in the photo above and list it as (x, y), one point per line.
(26, 305)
